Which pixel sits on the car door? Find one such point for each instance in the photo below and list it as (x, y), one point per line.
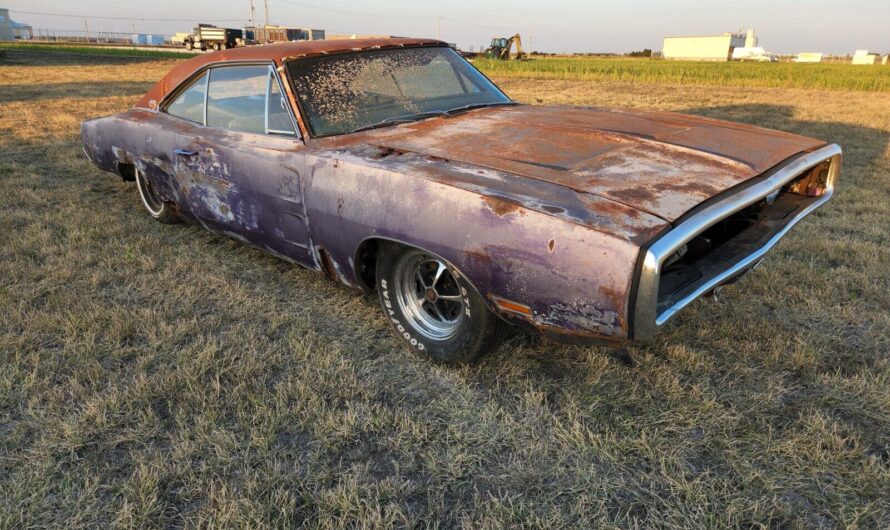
(239, 162)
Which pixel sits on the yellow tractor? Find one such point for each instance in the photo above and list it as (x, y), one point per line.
(500, 48)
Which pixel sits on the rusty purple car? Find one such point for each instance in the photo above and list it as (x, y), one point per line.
(394, 165)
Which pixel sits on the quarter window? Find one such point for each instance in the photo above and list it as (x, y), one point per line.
(279, 116)
(190, 103)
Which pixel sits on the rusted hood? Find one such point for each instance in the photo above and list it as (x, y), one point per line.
(657, 162)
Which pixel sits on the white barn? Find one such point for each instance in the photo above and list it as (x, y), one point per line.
(707, 48)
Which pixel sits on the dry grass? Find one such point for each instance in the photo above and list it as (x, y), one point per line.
(163, 376)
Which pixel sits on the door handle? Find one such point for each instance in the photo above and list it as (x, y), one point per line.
(185, 152)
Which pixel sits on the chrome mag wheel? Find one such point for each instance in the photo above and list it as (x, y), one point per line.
(429, 296)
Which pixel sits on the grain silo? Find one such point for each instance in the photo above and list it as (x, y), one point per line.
(5, 26)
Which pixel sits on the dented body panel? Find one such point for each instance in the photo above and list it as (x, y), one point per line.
(551, 208)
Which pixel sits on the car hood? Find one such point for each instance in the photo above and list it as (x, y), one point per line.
(660, 163)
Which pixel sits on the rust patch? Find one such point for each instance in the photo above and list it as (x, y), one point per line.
(327, 264)
(551, 245)
(479, 258)
(501, 207)
(618, 303)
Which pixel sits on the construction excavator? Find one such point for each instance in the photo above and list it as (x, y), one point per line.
(500, 48)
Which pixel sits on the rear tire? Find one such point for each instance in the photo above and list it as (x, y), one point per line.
(433, 309)
(155, 207)
(216, 46)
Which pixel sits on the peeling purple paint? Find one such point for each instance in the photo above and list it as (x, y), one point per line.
(545, 206)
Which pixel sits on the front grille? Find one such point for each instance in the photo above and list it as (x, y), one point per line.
(722, 240)
(732, 239)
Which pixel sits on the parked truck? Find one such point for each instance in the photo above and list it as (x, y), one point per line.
(207, 36)
(270, 34)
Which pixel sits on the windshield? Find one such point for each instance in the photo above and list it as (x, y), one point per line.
(343, 93)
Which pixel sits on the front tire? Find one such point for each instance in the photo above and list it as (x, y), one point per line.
(433, 309)
(155, 207)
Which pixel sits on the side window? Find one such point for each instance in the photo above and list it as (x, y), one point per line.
(190, 103)
(279, 115)
(236, 98)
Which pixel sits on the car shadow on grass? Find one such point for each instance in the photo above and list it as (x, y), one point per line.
(79, 90)
(72, 59)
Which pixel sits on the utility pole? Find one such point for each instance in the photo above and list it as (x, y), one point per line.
(266, 10)
(86, 29)
(251, 13)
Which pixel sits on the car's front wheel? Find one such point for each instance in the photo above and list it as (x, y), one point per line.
(432, 308)
(156, 208)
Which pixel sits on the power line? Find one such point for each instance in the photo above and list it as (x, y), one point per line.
(438, 19)
(144, 19)
(358, 13)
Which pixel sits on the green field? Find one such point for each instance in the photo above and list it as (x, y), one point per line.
(94, 50)
(778, 75)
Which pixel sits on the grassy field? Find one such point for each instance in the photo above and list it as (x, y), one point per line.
(162, 376)
(748, 74)
(70, 49)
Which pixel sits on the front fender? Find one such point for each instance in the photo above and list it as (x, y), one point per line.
(573, 280)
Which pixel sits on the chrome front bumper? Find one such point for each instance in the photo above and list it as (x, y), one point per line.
(647, 319)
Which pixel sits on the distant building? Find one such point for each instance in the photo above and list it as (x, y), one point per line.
(808, 57)
(5, 26)
(22, 31)
(144, 39)
(707, 48)
(863, 57)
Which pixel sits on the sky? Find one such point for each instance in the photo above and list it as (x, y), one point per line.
(559, 26)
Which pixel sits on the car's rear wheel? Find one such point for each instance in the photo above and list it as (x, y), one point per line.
(156, 208)
(432, 308)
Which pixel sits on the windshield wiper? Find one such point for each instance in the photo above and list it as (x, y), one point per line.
(471, 106)
(396, 120)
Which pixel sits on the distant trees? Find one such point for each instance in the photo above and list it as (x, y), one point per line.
(645, 53)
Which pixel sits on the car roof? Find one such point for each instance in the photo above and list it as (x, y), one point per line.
(277, 53)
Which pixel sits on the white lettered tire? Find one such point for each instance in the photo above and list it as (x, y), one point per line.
(432, 308)
(155, 207)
